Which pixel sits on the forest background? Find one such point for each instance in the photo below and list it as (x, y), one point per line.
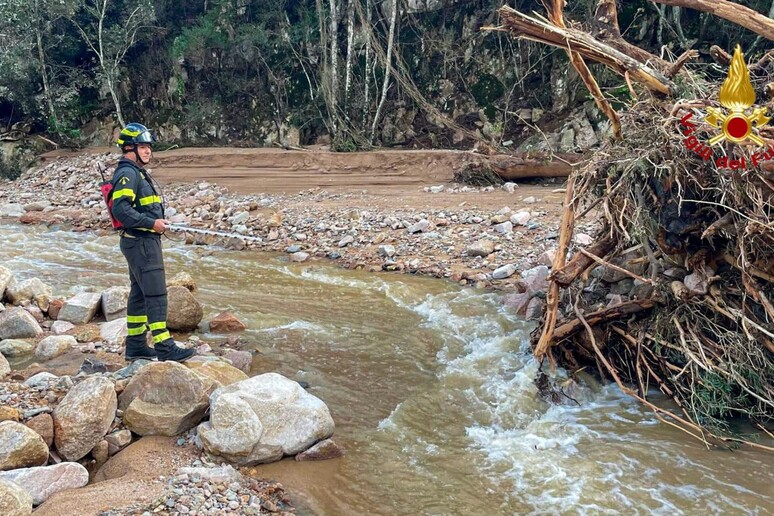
(350, 73)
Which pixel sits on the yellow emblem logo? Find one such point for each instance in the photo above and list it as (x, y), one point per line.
(124, 180)
(737, 96)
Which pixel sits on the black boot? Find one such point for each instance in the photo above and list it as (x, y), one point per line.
(139, 352)
(168, 350)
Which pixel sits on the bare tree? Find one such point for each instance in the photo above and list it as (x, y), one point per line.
(110, 42)
(388, 68)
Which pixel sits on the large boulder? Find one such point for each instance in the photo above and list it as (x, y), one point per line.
(80, 308)
(14, 501)
(5, 279)
(217, 370)
(54, 345)
(165, 398)
(20, 447)
(44, 481)
(83, 417)
(262, 419)
(17, 323)
(29, 290)
(114, 302)
(184, 313)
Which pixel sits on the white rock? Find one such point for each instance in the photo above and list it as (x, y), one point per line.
(583, 239)
(54, 346)
(80, 309)
(505, 227)
(61, 327)
(41, 379)
(43, 481)
(520, 218)
(504, 272)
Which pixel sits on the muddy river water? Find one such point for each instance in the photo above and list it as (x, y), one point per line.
(430, 386)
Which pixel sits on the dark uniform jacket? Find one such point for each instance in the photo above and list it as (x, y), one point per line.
(136, 204)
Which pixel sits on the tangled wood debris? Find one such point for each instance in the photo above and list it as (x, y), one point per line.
(677, 292)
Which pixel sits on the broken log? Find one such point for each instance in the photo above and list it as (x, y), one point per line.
(602, 316)
(735, 13)
(534, 165)
(540, 30)
(581, 262)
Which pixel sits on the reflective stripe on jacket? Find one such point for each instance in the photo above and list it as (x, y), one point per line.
(136, 204)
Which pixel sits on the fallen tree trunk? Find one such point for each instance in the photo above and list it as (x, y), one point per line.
(735, 13)
(535, 165)
(540, 30)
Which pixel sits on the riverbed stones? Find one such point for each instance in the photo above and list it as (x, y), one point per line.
(17, 323)
(81, 308)
(505, 271)
(11, 210)
(31, 289)
(54, 346)
(185, 312)
(165, 398)
(242, 360)
(43, 481)
(114, 303)
(61, 327)
(114, 332)
(16, 347)
(83, 417)
(481, 248)
(324, 450)
(43, 425)
(118, 440)
(263, 418)
(20, 447)
(5, 367)
(226, 322)
(14, 500)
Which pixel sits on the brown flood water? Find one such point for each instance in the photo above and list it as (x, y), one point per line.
(431, 389)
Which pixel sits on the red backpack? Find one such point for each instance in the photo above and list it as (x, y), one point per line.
(106, 188)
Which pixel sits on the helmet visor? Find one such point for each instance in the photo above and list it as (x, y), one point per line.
(145, 137)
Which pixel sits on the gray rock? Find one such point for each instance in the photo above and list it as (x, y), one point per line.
(388, 251)
(41, 379)
(504, 228)
(422, 225)
(61, 327)
(55, 345)
(80, 309)
(505, 271)
(17, 323)
(114, 302)
(11, 210)
(295, 248)
(299, 257)
(16, 348)
(344, 242)
(263, 418)
(481, 248)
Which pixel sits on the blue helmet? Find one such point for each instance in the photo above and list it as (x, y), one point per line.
(134, 134)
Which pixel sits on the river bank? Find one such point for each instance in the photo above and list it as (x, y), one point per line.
(385, 210)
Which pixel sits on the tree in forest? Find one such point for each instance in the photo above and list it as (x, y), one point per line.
(110, 28)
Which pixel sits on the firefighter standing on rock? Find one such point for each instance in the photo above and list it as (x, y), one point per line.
(138, 212)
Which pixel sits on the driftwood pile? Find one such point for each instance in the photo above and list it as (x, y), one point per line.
(677, 292)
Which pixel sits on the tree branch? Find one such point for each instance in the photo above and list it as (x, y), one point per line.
(731, 11)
